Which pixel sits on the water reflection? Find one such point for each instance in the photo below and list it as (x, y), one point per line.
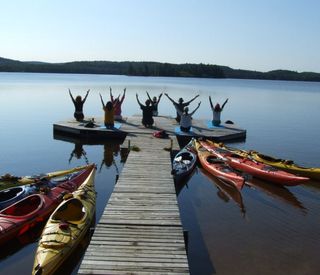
(16, 244)
(183, 183)
(277, 192)
(226, 192)
(78, 152)
(110, 150)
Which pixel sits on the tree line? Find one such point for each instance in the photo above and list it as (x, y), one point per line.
(152, 69)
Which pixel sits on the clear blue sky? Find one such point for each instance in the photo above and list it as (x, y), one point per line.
(248, 34)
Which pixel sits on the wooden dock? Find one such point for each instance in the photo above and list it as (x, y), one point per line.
(140, 231)
(132, 125)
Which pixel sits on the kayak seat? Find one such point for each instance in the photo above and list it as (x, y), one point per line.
(186, 156)
(24, 207)
(213, 160)
(71, 211)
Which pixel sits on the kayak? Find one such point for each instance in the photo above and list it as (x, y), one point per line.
(287, 165)
(255, 168)
(11, 195)
(184, 162)
(23, 215)
(66, 228)
(8, 180)
(217, 167)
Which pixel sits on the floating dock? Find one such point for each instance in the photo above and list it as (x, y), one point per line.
(132, 125)
(140, 231)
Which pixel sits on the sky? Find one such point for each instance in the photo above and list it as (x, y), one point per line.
(260, 35)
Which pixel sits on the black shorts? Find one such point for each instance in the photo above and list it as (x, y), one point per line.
(78, 116)
(185, 129)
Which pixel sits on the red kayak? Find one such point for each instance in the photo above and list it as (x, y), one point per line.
(254, 168)
(217, 167)
(25, 214)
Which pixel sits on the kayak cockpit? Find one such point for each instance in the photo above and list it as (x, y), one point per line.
(10, 193)
(72, 211)
(24, 207)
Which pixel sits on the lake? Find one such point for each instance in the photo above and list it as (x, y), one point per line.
(265, 230)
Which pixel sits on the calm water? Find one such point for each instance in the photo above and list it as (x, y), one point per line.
(265, 230)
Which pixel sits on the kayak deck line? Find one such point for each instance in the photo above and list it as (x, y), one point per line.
(132, 125)
(140, 231)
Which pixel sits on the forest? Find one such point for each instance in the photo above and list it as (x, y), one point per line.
(131, 68)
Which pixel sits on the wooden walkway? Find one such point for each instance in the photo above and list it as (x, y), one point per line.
(140, 231)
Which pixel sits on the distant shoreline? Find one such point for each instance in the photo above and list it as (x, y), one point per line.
(155, 69)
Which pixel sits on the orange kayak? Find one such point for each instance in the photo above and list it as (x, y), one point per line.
(217, 167)
(254, 168)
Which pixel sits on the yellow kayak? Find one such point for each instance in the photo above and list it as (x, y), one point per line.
(66, 228)
(7, 180)
(288, 165)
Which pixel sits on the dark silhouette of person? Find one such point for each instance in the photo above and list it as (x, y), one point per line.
(147, 112)
(180, 105)
(216, 111)
(78, 105)
(155, 102)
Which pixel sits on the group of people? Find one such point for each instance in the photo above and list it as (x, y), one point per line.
(112, 110)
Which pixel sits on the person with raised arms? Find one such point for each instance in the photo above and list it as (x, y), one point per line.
(155, 102)
(147, 112)
(78, 105)
(180, 105)
(216, 111)
(117, 102)
(186, 118)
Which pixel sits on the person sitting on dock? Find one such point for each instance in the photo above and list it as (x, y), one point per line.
(108, 114)
(78, 104)
(186, 118)
(217, 112)
(180, 105)
(117, 102)
(155, 102)
(147, 112)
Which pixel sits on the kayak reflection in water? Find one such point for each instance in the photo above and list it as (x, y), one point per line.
(78, 105)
